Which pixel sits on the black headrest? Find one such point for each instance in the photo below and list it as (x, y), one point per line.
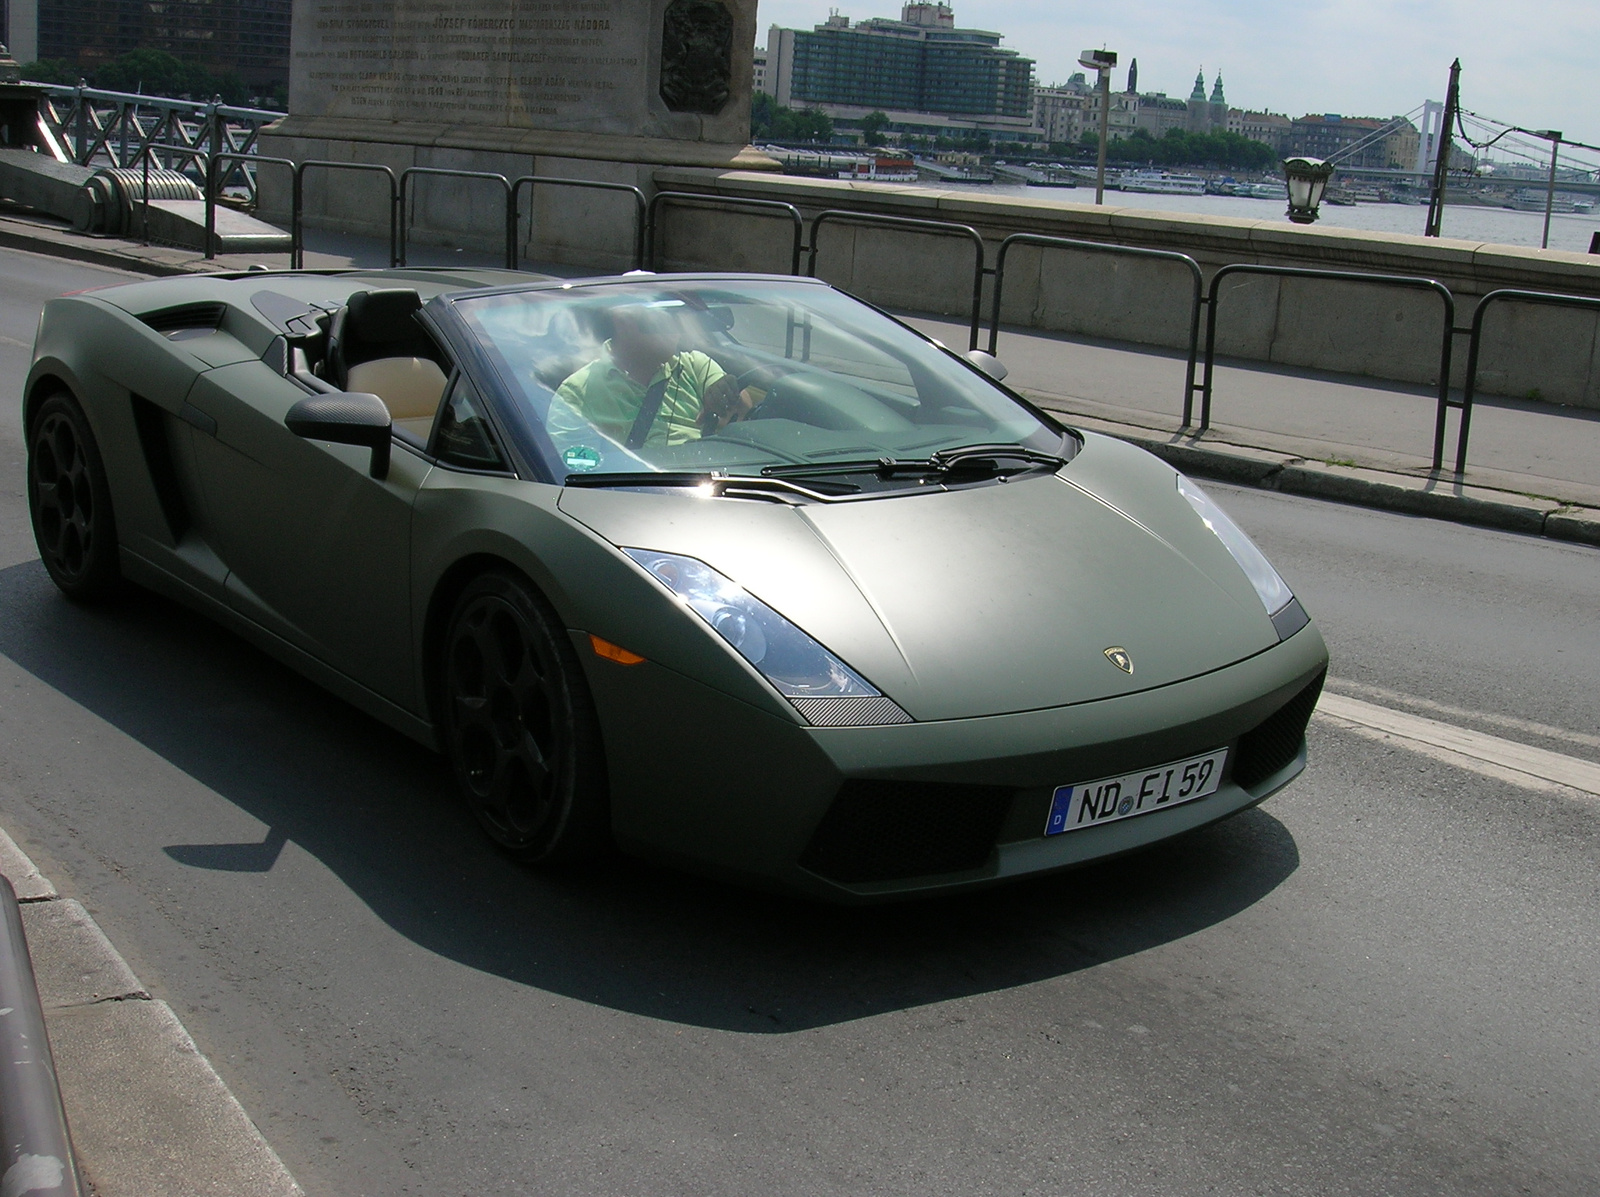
(383, 315)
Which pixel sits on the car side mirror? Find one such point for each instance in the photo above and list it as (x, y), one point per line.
(345, 418)
(988, 363)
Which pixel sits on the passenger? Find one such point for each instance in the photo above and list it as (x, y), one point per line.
(646, 389)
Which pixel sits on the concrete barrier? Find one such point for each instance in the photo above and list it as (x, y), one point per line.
(1346, 327)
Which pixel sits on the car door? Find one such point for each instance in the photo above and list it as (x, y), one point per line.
(318, 551)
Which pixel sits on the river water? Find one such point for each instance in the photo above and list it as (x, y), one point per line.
(1503, 225)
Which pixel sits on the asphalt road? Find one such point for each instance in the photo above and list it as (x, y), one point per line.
(1382, 981)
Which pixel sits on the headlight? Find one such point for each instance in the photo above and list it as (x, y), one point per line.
(1274, 593)
(796, 665)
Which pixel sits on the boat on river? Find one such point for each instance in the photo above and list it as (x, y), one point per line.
(1162, 182)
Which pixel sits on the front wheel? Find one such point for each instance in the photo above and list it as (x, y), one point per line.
(70, 502)
(519, 724)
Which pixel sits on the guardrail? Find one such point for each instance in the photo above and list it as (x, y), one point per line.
(913, 224)
(646, 250)
(695, 199)
(35, 1147)
(513, 216)
(1407, 281)
(214, 187)
(1104, 247)
(297, 253)
(411, 172)
(1469, 386)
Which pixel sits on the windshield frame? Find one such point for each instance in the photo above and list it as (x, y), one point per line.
(534, 452)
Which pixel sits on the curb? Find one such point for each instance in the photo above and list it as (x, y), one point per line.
(149, 1115)
(90, 254)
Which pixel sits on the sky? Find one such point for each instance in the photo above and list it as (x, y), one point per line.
(1526, 62)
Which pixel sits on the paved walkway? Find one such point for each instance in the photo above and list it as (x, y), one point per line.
(1531, 467)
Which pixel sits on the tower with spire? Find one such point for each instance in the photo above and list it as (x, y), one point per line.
(1219, 107)
(1133, 76)
(1199, 111)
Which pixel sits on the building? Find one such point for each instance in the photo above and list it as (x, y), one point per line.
(759, 77)
(1357, 142)
(928, 75)
(247, 36)
(1269, 128)
(1158, 113)
(1207, 116)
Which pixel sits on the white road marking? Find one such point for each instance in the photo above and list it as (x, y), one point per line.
(1394, 698)
(1491, 756)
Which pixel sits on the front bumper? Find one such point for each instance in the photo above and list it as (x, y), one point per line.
(705, 781)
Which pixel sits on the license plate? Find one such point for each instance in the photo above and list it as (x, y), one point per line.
(1111, 798)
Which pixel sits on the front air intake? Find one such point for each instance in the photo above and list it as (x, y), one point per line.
(890, 830)
(1275, 742)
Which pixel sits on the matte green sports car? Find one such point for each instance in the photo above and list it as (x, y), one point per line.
(733, 571)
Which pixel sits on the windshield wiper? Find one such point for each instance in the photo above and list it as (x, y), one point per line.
(985, 460)
(716, 483)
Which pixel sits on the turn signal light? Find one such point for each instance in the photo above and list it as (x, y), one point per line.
(613, 652)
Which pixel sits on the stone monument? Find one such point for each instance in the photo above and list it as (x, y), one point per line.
(596, 89)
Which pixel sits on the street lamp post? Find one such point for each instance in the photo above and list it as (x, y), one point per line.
(1307, 179)
(1101, 61)
(1553, 136)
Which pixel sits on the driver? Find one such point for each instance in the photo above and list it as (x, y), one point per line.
(645, 389)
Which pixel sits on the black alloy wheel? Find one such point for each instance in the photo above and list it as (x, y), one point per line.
(520, 726)
(70, 502)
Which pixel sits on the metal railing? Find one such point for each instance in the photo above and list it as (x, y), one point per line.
(508, 212)
(695, 199)
(214, 187)
(513, 216)
(1411, 282)
(1102, 247)
(1470, 385)
(297, 207)
(90, 126)
(914, 224)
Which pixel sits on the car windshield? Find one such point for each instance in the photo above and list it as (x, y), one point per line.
(736, 377)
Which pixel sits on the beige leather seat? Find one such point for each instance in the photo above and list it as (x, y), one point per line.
(410, 387)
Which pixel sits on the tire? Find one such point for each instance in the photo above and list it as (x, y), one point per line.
(519, 725)
(70, 502)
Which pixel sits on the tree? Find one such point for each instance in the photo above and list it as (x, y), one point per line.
(872, 127)
(770, 121)
(50, 70)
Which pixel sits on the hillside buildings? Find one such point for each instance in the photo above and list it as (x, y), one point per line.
(925, 73)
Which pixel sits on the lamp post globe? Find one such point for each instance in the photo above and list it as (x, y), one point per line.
(1307, 179)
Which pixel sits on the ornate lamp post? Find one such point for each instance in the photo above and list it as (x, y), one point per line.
(1307, 179)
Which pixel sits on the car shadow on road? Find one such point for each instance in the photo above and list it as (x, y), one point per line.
(378, 811)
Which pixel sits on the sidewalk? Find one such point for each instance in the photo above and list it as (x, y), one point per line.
(1532, 467)
(149, 1116)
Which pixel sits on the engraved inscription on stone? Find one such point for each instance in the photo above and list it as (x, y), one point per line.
(573, 65)
(696, 55)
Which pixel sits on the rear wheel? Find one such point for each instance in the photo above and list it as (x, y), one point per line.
(520, 726)
(70, 502)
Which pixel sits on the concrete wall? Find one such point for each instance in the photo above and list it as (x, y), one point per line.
(1347, 327)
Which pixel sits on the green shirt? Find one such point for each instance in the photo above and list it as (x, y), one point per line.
(607, 398)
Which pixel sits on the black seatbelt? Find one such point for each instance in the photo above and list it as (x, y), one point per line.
(649, 409)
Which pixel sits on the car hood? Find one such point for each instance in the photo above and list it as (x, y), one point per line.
(979, 601)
